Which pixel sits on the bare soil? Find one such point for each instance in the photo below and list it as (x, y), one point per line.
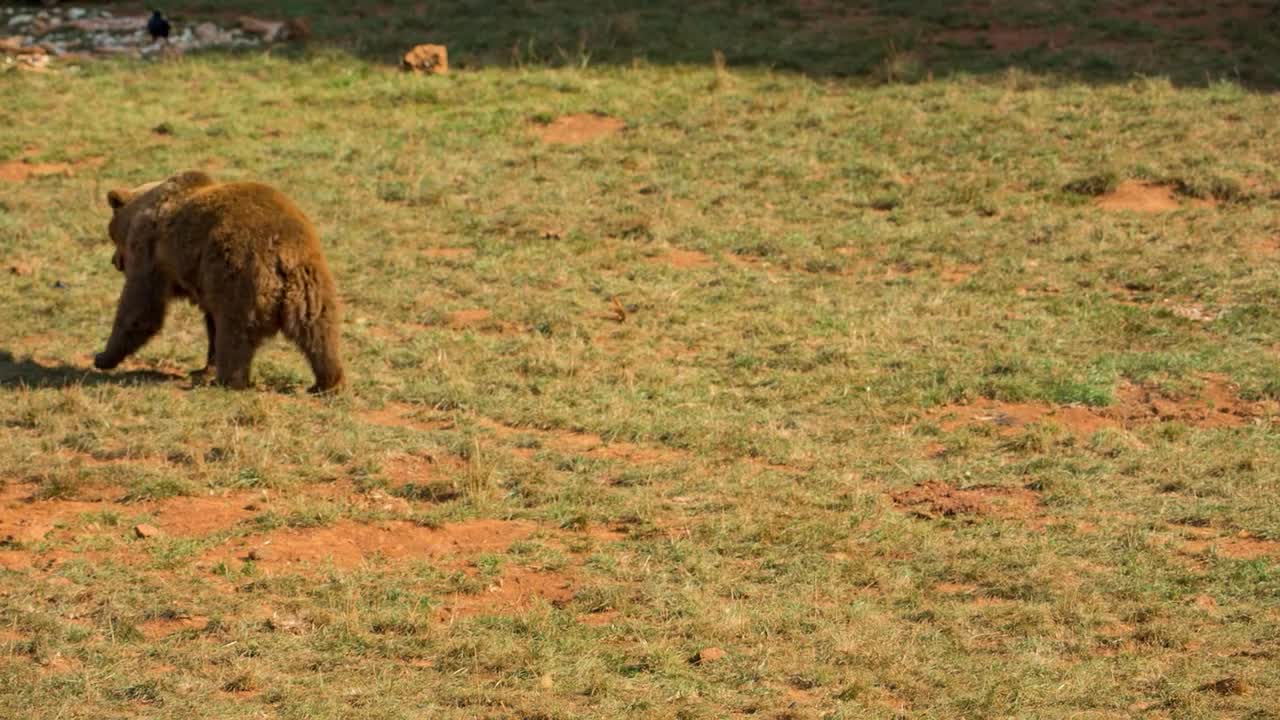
(580, 128)
(1142, 197)
(933, 499)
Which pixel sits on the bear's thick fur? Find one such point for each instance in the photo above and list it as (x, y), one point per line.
(243, 253)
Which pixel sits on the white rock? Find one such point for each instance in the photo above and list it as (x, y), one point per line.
(20, 20)
(75, 13)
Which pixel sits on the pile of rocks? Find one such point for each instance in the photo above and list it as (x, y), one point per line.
(28, 39)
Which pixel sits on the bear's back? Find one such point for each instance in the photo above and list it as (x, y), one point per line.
(246, 222)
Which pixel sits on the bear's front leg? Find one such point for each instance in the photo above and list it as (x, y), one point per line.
(139, 316)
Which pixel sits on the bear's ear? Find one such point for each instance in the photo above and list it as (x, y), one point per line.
(117, 199)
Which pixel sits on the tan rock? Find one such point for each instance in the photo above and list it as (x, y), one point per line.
(145, 531)
(430, 59)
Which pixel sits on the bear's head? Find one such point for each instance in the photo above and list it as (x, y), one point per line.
(135, 213)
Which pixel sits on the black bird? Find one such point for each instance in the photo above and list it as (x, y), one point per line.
(158, 26)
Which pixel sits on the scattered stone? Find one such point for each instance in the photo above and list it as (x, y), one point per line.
(207, 32)
(429, 59)
(111, 24)
(21, 268)
(259, 555)
(709, 655)
(276, 30)
(100, 33)
(146, 532)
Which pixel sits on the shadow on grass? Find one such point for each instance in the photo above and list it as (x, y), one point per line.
(1101, 41)
(31, 374)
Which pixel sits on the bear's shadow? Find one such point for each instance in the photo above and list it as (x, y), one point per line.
(31, 374)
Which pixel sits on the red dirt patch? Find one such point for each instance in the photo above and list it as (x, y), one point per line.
(959, 273)
(1010, 417)
(449, 253)
(1218, 405)
(685, 259)
(400, 415)
(415, 468)
(1135, 406)
(599, 619)
(1239, 547)
(515, 590)
(580, 128)
(1262, 247)
(21, 170)
(24, 519)
(161, 627)
(1172, 16)
(468, 318)
(202, 515)
(589, 444)
(1006, 39)
(953, 588)
(932, 500)
(348, 544)
(1142, 197)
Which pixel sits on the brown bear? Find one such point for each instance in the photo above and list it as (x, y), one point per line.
(240, 251)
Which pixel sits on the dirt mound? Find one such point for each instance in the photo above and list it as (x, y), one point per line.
(468, 318)
(513, 591)
(448, 253)
(25, 520)
(348, 544)
(160, 627)
(1012, 417)
(685, 259)
(580, 128)
(21, 170)
(588, 444)
(1006, 39)
(1218, 405)
(1142, 197)
(203, 515)
(933, 499)
(1240, 547)
(400, 415)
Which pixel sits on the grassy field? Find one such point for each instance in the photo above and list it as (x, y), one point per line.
(937, 379)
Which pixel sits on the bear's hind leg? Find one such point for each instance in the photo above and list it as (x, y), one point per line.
(206, 373)
(233, 354)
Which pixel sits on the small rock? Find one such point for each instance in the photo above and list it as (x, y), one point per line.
(207, 32)
(145, 531)
(21, 268)
(429, 59)
(17, 20)
(709, 655)
(75, 13)
(269, 30)
(259, 555)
